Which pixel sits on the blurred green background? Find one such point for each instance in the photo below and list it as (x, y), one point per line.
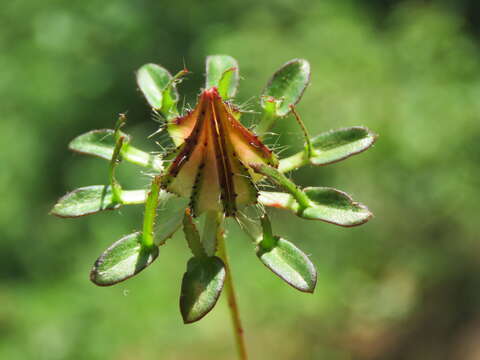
(403, 286)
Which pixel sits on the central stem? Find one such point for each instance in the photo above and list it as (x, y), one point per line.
(232, 300)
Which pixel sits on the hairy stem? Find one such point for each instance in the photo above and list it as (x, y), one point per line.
(293, 162)
(116, 188)
(265, 123)
(150, 212)
(142, 158)
(309, 150)
(232, 300)
(283, 181)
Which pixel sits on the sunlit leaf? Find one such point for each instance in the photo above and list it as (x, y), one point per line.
(222, 72)
(96, 142)
(201, 287)
(124, 259)
(155, 82)
(102, 142)
(340, 144)
(287, 85)
(289, 263)
(328, 204)
(84, 201)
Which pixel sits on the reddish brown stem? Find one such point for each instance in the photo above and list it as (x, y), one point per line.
(232, 300)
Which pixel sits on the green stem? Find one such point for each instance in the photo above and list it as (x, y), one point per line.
(268, 118)
(132, 197)
(142, 158)
(268, 240)
(293, 162)
(232, 300)
(275, 175)
(130, 153)
(116, 188)
(122, 119)
(309, 150)
(150, 212)
(303, 157)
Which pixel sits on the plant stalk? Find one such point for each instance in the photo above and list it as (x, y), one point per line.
(232, 299)
(309, 150)
(150, 213)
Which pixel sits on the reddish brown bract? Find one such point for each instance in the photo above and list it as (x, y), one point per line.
(210, 164)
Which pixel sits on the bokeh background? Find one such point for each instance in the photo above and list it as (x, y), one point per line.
(403, 286)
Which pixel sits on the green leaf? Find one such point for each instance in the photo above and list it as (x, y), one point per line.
(192, 236)
(222, 72)
(124, 259)
(201, 287)
(283, 181)
(287, 85)
(336, 207)
(96, 142)
(85, 201)
(213, 221)
(169, 218)
(101, 143)
(156, 84)
(340, 144)
(328, 204)
(92, 199)
(289, 263)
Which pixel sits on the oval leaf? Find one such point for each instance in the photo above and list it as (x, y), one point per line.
(222, 72)
(97, 143)
(201, 287)
(337, 145)
(330, 205)
(153, 80)
(101, 143)
(336, 207)
(124, 259)
(85, 201)
(287, 85)
(290, 264)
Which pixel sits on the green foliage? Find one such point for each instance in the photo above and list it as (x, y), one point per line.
(85, 201)
(222, 72)
(325, 204)
(290, 264)
(201, 287)
(286, 86)
(102, 142)
(169, 216)
(124, 259)
(283, 90)
(331, 146)
(158, 86)
(192, 236)
(96, 142)
(340, 144)
(286, 260)
(203, 281)
(409, 73)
